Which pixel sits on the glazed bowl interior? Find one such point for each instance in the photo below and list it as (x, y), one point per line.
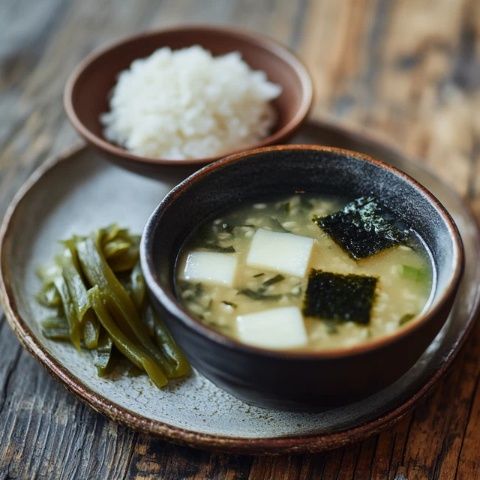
(88, 89)
(258, 375)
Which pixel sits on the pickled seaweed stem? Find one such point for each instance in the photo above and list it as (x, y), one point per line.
(98, 292)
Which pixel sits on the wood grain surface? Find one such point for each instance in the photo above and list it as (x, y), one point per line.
(408, 69)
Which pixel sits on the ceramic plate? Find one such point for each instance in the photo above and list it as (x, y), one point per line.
(80, 192)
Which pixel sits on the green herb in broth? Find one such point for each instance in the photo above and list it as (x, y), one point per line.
(406, 318)
(273, 280)
(284, 208)
(253, 290)
(414, 273)
(230, 227)
(296, 291)
(259, 294)
(218, 248)
(305, 203)
(191, 291)
(277, 226)
(331, 326)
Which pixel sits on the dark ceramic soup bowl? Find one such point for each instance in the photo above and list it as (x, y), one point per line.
(297, 380)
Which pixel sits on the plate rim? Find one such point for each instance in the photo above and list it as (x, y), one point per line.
(304, 443)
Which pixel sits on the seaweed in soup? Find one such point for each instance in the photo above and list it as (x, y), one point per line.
(333, 296)
(363, 227)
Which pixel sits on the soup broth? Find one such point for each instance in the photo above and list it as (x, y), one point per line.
(258, 272)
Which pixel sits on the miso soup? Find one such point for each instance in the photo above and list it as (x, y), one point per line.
(305, 272)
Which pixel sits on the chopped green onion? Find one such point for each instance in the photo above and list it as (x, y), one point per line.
(406, 318)
(273, 280)
(258, 294)
(413, 273)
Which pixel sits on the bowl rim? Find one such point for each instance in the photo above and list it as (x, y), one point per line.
(261, 41)
(170, 303)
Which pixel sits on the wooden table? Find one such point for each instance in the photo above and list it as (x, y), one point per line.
(409, 69)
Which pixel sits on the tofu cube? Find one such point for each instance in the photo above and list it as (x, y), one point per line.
(276, 328)
(210, 267)
(281, 252)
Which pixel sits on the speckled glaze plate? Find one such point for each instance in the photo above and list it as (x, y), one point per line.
(79, 192)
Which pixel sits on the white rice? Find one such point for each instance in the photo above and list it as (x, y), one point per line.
(188, 104)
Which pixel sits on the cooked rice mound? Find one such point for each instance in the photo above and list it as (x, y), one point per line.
(188, 104)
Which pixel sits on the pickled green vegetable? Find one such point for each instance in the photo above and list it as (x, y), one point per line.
(128, 347)
(69, 310)
(137, 287)
(48, 296)
(56, 328)
(104, 356)
(179, 365)
(116, 297)
(98, 291)
(76, 287)
(120, 248)
(91, 332)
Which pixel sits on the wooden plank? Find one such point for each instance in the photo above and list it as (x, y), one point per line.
(468, 464)
(45, 428)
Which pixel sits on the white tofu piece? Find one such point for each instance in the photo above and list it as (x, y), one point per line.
(210, 267)
(276, 328)
(281, 252)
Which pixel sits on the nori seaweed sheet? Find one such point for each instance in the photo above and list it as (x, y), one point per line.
(363, 227)
(333, 296)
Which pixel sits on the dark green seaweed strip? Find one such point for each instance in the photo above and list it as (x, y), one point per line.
(333, 296)
(363, 227)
